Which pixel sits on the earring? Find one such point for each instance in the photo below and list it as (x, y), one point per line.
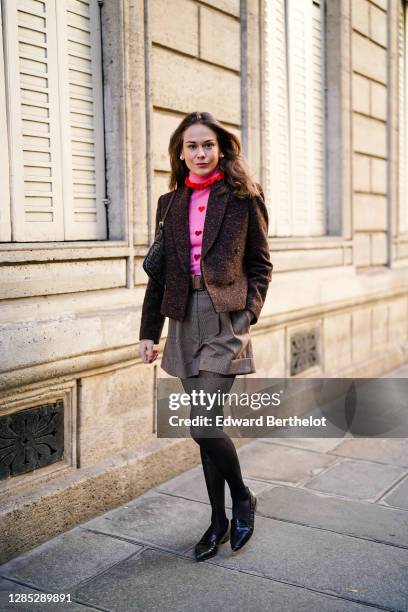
(181, 157)
(222, 155)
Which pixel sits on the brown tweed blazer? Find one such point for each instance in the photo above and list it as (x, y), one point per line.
(235, 257)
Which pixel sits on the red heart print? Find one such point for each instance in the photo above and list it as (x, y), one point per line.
(201, 208)
(196, 257)
(198, 232)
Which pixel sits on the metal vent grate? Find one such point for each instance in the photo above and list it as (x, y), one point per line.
(303, 351)
(31, 438)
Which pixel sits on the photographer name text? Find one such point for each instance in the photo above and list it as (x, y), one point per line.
(260, 421)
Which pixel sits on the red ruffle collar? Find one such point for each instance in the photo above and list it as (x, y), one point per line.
(204, 184)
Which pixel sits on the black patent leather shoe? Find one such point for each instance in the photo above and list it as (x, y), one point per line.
(242, 530)
(207, 547)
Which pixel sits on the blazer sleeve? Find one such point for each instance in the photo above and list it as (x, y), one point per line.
(257, 256)
(152, 321)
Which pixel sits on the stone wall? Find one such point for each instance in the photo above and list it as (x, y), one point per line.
(370, 146)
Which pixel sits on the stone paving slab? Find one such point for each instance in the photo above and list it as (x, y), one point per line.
(191, 485)
(7, 587)
(361, 570)
(320, 445)
(67, 560)
(357, 479)
(153, 580)
(361, 519)
(391, 451)
(278, 463)
(398, 497)
(171, 523)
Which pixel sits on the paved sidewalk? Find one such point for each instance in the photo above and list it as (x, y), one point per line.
(331, 535)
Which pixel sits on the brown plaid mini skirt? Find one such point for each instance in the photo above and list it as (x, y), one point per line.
(207, 340)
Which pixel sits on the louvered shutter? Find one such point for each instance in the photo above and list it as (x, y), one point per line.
(279, 158)
(80, 86)
(5, 222)
(55, 119)
(306, 116)
(317, 209)
(297, 117)
(35, 151)
(299, 100)
(402, 128)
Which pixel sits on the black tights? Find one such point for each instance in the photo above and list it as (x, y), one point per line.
(218, 454)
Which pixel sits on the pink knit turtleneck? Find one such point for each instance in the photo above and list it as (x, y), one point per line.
(196, 216)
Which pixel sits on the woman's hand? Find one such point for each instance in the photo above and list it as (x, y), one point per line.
(146, 351)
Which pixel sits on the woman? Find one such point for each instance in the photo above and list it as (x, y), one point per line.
(217, 274)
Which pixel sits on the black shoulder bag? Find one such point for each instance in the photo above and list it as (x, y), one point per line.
(153, 263)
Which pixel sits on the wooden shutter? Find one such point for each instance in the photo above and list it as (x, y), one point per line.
(278, 120)
(317, 209)
(80, 85)
(5, 221)
(299, 100)
(55, 118)
(296, 105)
(35, 145)
(306, 71)
(402, 111)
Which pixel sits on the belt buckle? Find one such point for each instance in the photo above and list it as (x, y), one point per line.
(196, 281)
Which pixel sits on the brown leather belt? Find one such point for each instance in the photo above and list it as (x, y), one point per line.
(197, 282)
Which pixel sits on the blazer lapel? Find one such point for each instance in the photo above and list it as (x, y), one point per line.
(180, 226)
(216, 207)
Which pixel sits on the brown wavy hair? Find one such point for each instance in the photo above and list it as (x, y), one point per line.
(234, 165)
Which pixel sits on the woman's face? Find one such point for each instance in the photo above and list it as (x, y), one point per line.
(200, 149)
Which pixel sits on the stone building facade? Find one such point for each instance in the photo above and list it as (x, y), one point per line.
(90, 92)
